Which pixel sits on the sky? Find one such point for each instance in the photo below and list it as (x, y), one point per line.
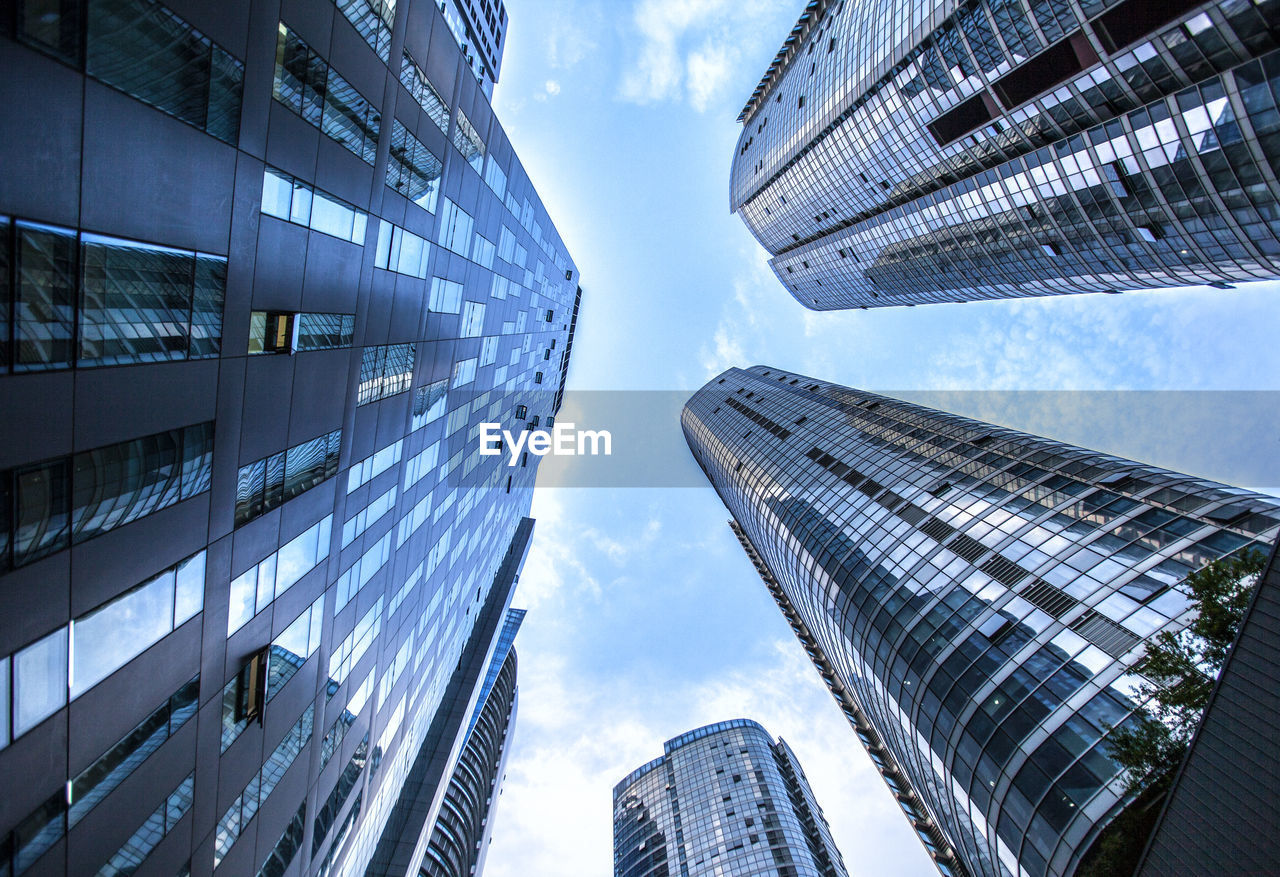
(645, 618)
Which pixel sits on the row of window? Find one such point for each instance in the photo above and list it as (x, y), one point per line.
(35, 834)
(146, 51)
(293, 200)
(385, 371)
(91, 300)
(46, 507)
(267, 483)
(401, 251)
(288, 332)
(412, 169)
(37, 681)
(255, 588)
(306, 84)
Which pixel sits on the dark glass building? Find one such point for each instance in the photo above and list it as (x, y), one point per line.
(263, 268)
(722, 799)
(902, 152)
(461, 835)
(976, 598)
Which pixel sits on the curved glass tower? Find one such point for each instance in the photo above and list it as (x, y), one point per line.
(976, 598)
(913, 151)
(461, 835)
(723, 799)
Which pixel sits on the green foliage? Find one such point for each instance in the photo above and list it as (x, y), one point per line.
(1182, 667)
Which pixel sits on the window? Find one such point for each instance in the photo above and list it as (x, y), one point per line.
(506, 245)
(401, 251)
(495, 177)
(373, 20)
(281, 855)
(446, 296)
(131, 302)
(385, 371)
(468, 141)
(265, 484)
(483, 251)
(306, 84)
(435, 106)
(71, 660)
(455, 229)
(412, 169)
(292, 200)
(146, 51)
(284, 332)
(472, 320)
(156, 826)
(374, 465)
(489, 350)
(429, 403)
(464, 372)
(73, 499)
(253, 590)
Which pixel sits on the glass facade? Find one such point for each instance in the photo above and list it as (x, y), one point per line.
(249, 550)
(722, 799)
(899, 153)
(976, 598)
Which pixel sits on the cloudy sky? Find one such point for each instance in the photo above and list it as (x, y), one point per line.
(645, 617)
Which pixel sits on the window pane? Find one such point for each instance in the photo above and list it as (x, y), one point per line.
(6, 298)
(305, 467)
(39, 681)
(42, 519)
(52, 25)
(197, 459)
(147, 51)
(277, 192)
(349, 119)
(249, 489)
(189, 588)
(44, 309)
(136, 302)
(243, 590)
(4, 702)
(331, 217)
(108, 638)
(226, 82)
(206, 305)
(121, 483)
(296, 559)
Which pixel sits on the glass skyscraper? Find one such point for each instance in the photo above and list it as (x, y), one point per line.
(901, 152)
(461, 835)
(976, 598)
(721, 799)
(262, 271)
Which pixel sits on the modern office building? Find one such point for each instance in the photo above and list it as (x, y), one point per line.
(462, 832)
(901, 152)
(722, 799)
(263, 267)
(1220, 814)
(976, 598)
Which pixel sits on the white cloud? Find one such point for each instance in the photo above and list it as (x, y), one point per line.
(693, 49)
(553, 87)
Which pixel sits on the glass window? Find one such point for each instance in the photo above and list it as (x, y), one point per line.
(350, 119)
(306, 84)
(413, 170)
(455, 229)
(108, 638)
(325, 331)
(148, 52)
(435, 106)
(121, 483)
(44, 303)
(446, 296)
(429, 403)
(243, 599)
(51, 25)
(42, 520)
(39, 681)
(4, 702)
(6, 302)
(373, 20)
(472, 320)
(469, 143)
(464, 372)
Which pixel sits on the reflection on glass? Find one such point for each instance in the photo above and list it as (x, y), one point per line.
(44, 306)
(39, 681)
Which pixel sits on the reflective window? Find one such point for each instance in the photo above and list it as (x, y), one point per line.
(306, 84)
(401, 251)
(265, 484)
(281, 855)
(39, 681)
(413, 170)
(136, 849)
(384, 371)
(468, 141)
(429, 403)
(253, 590)
(44, 297)
(373, 20)
(464, 372)
(77, 498)
(495, 177)
(183, 73)
(146, 51)
(446, 296)
(295, 201)
(374, 465)
(455, 229)
(435, 106)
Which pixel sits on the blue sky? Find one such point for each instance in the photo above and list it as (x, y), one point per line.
(645, 617)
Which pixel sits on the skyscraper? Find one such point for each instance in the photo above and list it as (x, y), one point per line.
(976, 598)
(724, 799)
(461, 835)
(263, 268)
(901, 152)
